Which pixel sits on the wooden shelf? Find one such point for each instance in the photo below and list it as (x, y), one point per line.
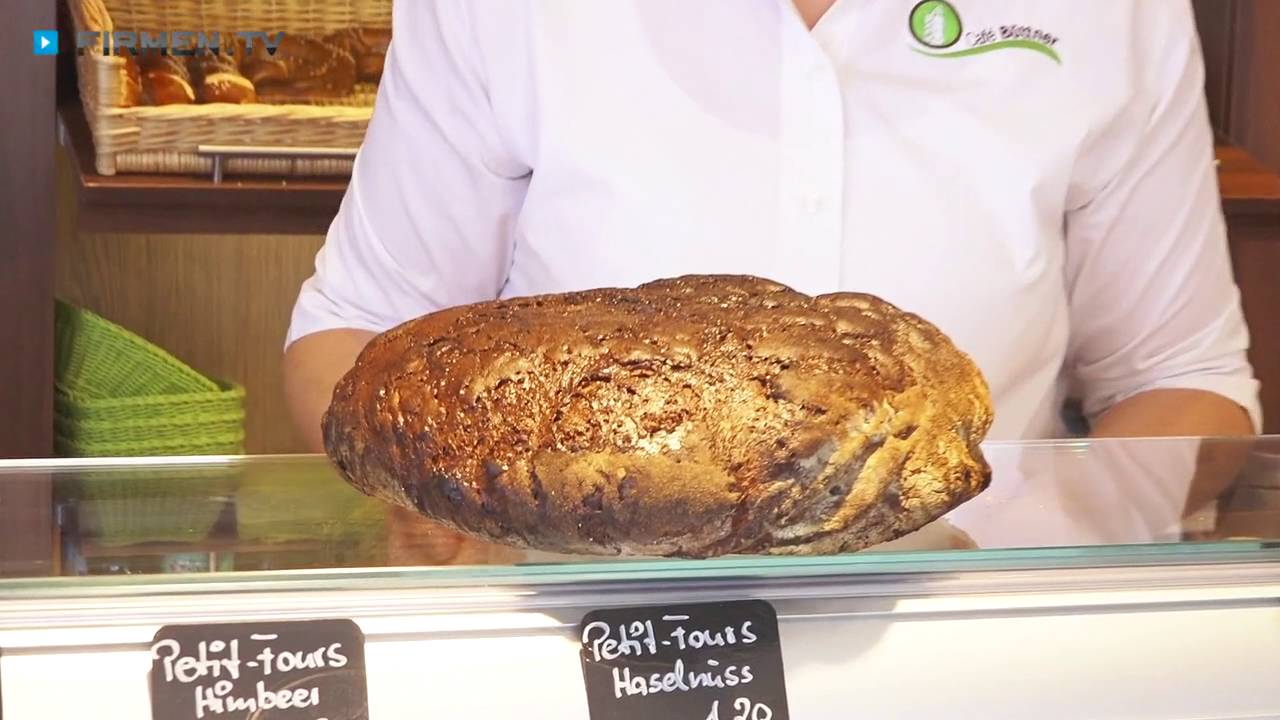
(1248, 188)
(156, 204)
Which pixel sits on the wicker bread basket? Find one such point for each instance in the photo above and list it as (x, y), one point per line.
(165, 139)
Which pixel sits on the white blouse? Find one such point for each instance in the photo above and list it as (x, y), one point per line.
(1035, 177)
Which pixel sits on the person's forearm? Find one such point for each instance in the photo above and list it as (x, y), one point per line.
(1174, 413)
(312, 366)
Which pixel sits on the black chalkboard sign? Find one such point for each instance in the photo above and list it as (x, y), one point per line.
(712, 661)
(307, 670)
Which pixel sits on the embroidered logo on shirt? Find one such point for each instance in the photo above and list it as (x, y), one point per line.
(936, 25)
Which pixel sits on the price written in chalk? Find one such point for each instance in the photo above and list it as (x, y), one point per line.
(744, 709)
(311, 669)
(714, 661)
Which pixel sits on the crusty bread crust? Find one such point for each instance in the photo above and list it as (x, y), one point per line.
(693, 416)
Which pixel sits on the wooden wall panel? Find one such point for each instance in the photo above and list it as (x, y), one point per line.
(221, 303)
(26, 286)
(1255, 253)
(1215, 22)
(1254, 120)
(27, 138)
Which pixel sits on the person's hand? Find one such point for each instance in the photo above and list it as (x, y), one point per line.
(312, 367)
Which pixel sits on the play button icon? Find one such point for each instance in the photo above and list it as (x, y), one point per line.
(45, 42)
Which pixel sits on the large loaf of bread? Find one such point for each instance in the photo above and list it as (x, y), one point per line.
(695, 416)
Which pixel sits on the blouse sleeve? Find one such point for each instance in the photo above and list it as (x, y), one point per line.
(1153, 301)
(427, 220)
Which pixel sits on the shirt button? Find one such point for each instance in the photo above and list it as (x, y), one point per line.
(813, 204)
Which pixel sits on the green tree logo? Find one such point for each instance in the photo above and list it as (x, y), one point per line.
(936, 23)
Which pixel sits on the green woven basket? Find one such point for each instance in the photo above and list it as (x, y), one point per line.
(156, 432)
(230, 444)
(225, 403)
(118, 395)
(97, 358)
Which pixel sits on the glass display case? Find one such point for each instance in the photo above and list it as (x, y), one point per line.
(1093, 579)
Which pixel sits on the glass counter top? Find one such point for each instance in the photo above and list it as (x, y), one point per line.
(122, 523)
